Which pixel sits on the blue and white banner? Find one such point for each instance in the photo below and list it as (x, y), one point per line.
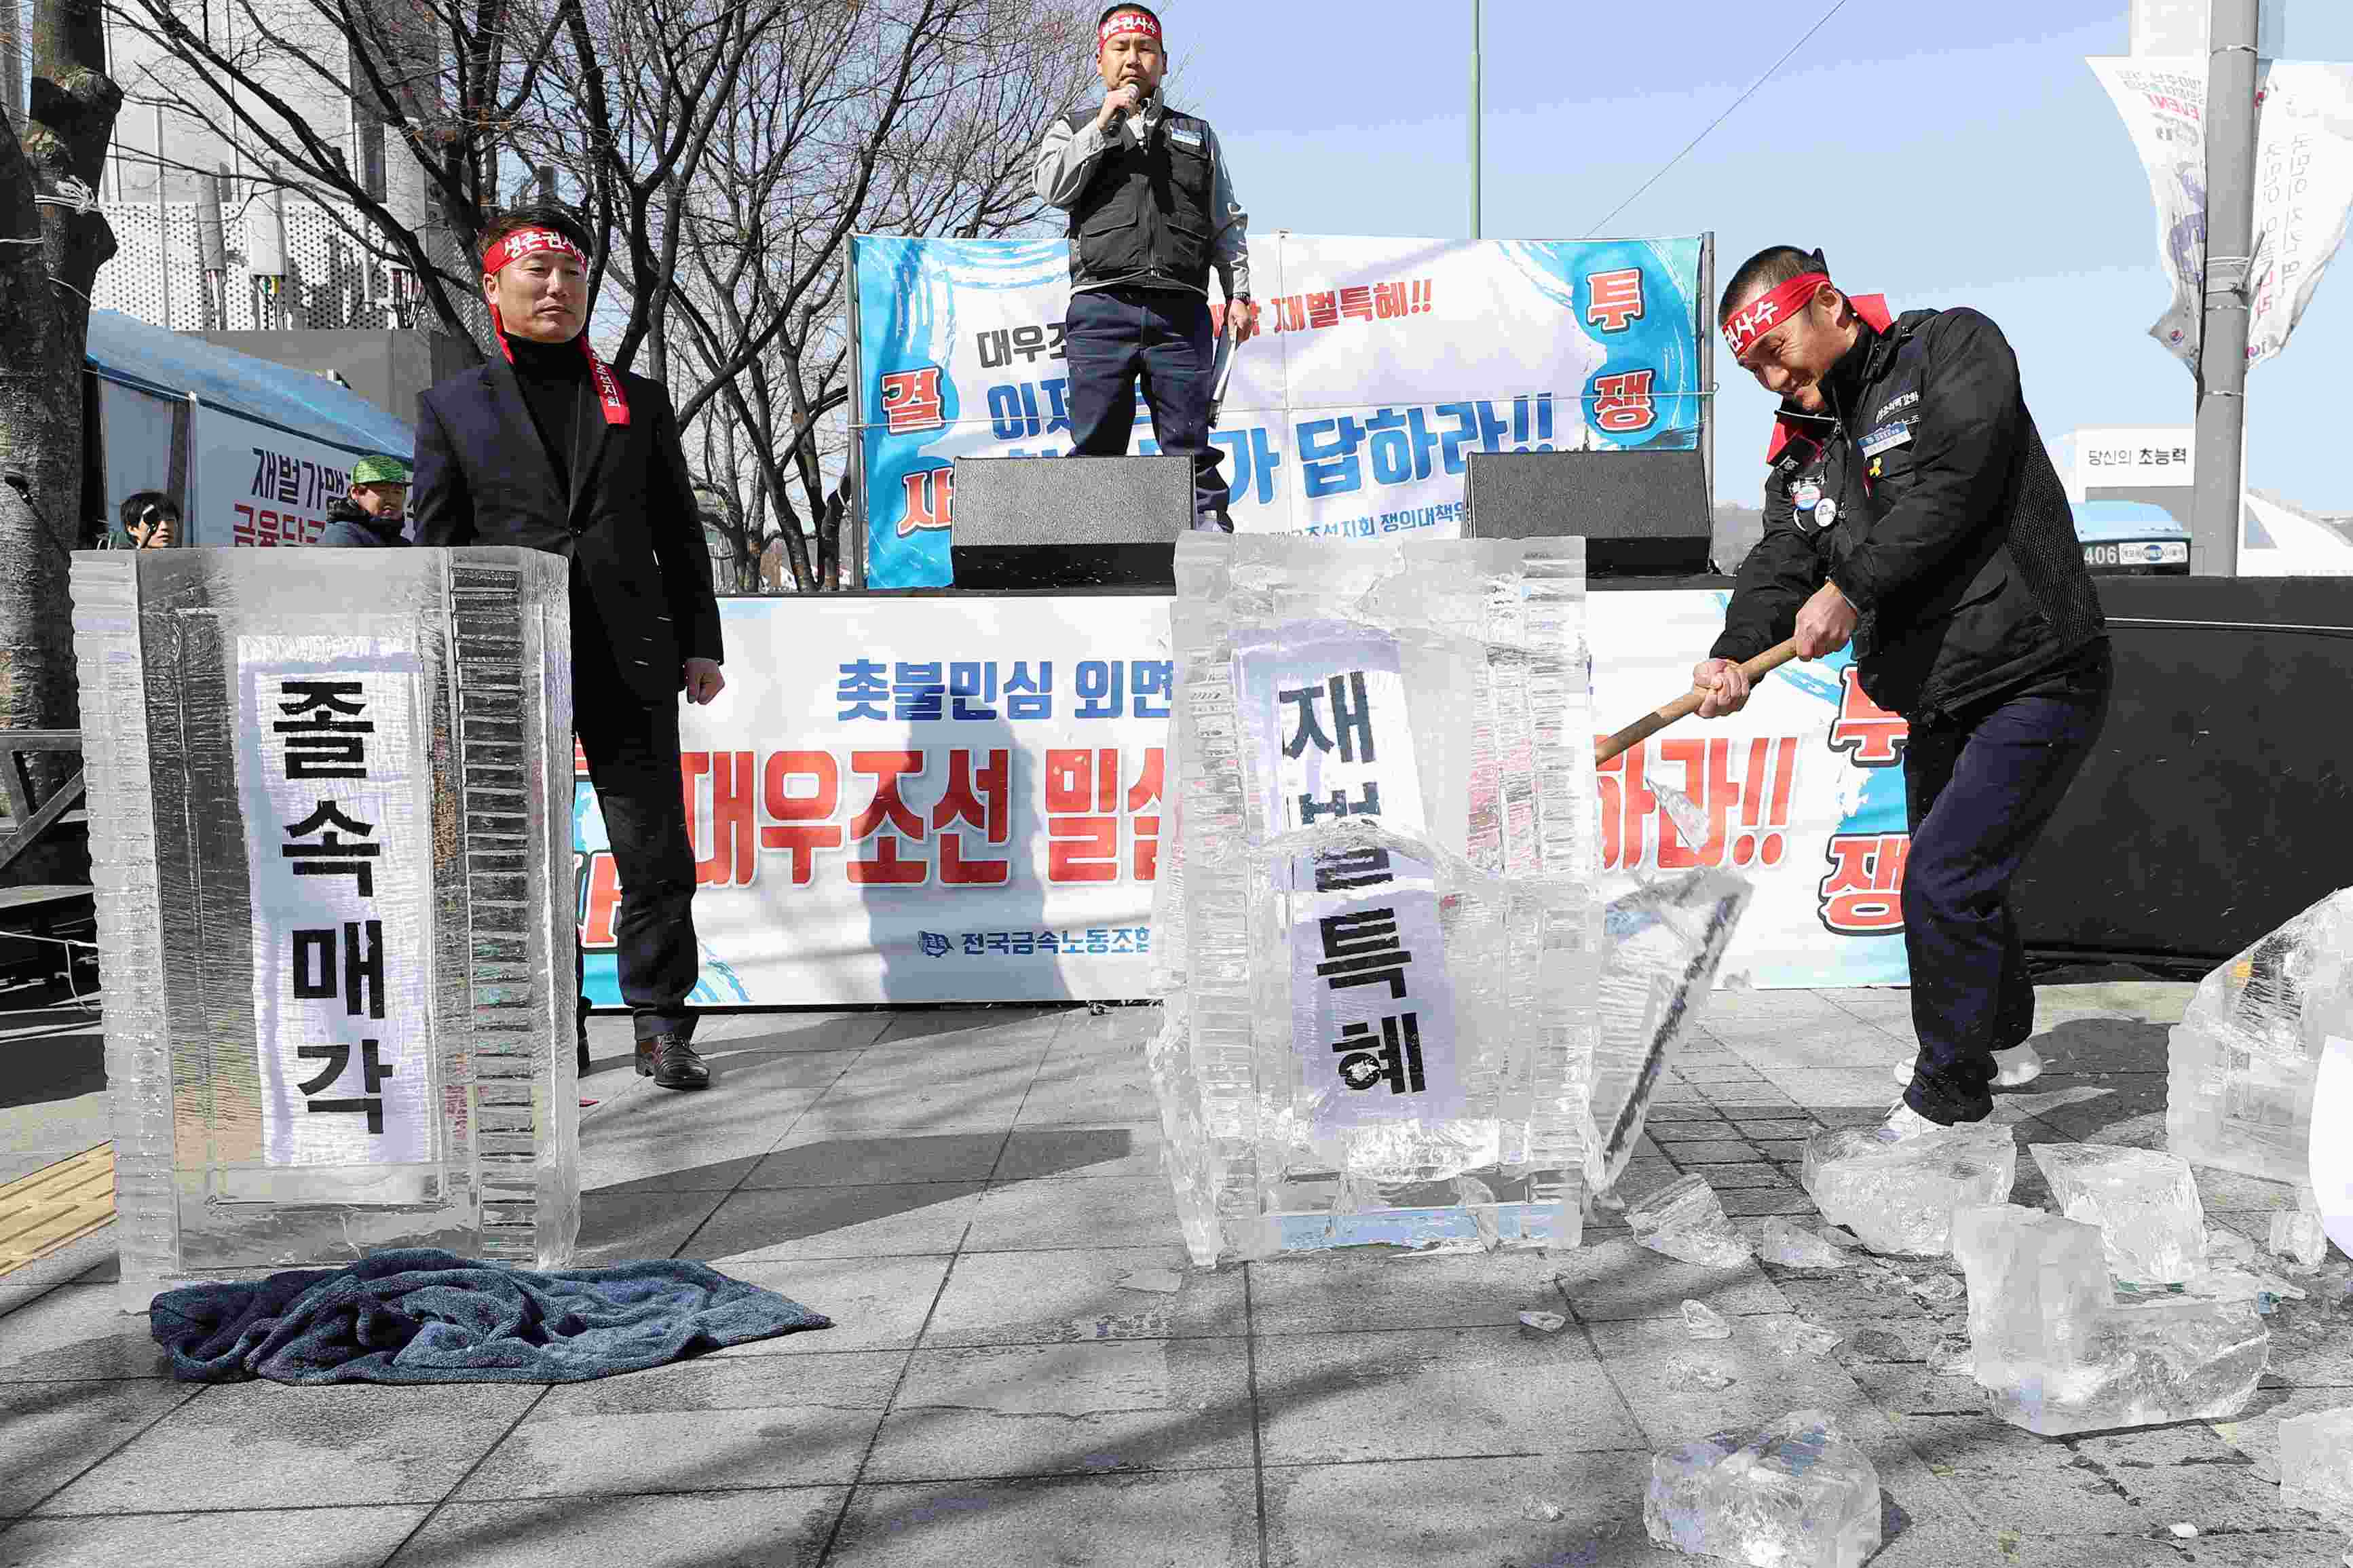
(1380, 365)
(961, 798)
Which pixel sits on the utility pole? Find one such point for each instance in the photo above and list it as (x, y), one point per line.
(1474, 119)
(2215, 504)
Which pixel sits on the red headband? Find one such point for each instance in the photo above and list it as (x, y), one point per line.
(1770, 310)
(1121, 24)
(525, 242)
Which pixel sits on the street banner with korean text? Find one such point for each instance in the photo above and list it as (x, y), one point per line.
(1380, 365)
(2304, 184)
(254, 483)
(338, 843)
(961, 798)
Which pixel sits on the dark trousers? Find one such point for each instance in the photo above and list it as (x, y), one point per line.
(1981, 786)
(632, 752)
(1113, 337)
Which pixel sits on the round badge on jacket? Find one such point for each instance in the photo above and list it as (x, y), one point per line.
(1808, 496)
(1826, 514)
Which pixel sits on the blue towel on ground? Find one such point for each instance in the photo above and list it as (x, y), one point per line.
(421, 1315)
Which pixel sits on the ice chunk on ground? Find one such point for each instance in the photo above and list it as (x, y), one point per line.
(1540, 1510)
(1796, 1494)
(1952, 1357)
(1684, 1219)
(1779, 1241)
(2296, 1233)
(2242, 1061)
(1543, 1322)
(1939, 1288)
(2145, 1202)
(1803, 1337)
(1899, 1194)
(1692, 1375)
(2057, 1352)
(2316, 1457)
(2227, 1247)
(1705, 1322)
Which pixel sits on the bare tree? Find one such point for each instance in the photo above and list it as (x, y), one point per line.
(924, 119)
(53, 246)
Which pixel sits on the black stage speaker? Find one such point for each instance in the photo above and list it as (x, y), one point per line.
(1069, 522)
(1643, 514)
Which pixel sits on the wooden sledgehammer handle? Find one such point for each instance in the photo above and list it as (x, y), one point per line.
(1683, 707)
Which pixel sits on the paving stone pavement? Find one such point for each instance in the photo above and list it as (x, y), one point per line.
(965, 1192)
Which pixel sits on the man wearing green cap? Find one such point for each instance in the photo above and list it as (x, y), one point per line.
(372, 513)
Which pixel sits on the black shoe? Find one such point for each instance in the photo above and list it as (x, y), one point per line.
(584, 1055)
(671, 1063)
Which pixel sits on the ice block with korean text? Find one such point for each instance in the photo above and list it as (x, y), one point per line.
(330, 830)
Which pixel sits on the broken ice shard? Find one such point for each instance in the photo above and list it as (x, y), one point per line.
(1662, 944)
(1704, 1323)
(2145, 1202)
(2057, 1352)
(1689, 1374)
(1899, 1194)
(2242, 1061)
(1796, 1494)
(1802, 1338)
(1684, 1219)
(1779, 1241)
(2296, 1234)
(2316, 1459)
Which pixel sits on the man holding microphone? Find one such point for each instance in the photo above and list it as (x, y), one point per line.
(1945, 548)
(1152, 211)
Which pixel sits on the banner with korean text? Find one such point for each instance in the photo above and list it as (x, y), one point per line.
(1380, 365)
(253, 483)
(2304, 184)
(961, 799)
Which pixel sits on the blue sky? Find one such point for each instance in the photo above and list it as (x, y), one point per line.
(1941, 155)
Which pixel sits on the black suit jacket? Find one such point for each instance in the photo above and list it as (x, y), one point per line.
(630, 525)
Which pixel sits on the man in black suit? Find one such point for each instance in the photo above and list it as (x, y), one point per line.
(551, 449)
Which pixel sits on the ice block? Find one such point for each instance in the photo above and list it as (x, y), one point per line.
(1796, 1494)
(2145, 1202)
(1380, 1023)
(2057, 1351)
(331, 833)
(1899, 1194)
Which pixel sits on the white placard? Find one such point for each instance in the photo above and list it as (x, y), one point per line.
(336, 799)
(1324, 713)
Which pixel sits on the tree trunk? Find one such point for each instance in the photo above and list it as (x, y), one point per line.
(49, 255)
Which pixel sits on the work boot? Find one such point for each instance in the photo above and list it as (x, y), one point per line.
(671, 1062)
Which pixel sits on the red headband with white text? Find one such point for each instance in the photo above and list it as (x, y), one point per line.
(525, 242)
(1122, 22)
(1770, 310)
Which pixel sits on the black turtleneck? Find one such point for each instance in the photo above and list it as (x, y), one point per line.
(550, 376)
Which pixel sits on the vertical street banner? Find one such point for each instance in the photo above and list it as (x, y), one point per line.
(2304, 184)
(1380, 365)
(331, 775)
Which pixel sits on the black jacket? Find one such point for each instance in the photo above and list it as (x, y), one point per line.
(1144, 214)
(350, 528)
(1953, 538)
(629, 526)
